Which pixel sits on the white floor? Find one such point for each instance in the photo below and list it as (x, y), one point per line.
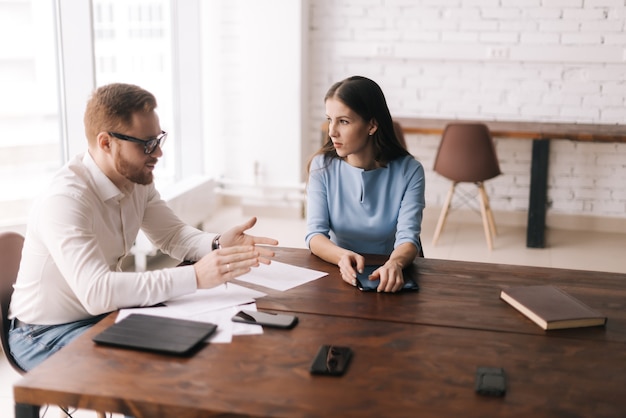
(459, 241)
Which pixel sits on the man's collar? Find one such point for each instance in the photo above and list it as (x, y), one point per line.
(105, 187)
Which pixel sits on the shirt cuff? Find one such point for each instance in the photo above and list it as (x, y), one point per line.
(186, 282)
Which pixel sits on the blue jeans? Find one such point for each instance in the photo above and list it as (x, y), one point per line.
(32, 344)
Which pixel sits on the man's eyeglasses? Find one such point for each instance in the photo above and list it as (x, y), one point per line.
(148, 145)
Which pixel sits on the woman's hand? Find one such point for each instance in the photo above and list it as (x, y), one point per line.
(349, 264)
(390, 275)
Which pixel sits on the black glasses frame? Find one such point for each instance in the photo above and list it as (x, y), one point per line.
(148, 145)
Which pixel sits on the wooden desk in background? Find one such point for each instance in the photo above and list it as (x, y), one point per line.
(415, 355)
(541, 133)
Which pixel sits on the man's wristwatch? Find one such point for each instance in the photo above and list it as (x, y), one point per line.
(216, 242)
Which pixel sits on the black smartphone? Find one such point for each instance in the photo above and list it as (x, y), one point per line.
(267, 319)
(331, 360)
(366, 285)
(490, 381)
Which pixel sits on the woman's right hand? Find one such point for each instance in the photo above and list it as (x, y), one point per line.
(349, 264)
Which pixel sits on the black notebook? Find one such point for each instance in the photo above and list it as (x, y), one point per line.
(154, 333)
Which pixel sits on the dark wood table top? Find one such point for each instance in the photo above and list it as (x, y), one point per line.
(415, 354)
(525, 129)
(398, 370)
(454, 293)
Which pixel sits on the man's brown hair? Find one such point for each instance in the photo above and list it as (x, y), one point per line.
(111, 108)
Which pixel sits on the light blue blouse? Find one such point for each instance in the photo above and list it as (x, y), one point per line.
(368, 212)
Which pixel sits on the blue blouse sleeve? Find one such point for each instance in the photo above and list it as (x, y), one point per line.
(411, 209)
(317, 208)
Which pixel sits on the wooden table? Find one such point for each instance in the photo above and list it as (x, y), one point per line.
(415, 355)
(454, 294)
(541, 133)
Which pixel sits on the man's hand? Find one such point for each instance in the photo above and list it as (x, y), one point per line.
(238, 254)
(237, 236)
(225, 264)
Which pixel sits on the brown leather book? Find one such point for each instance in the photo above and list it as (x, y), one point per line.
(552, 308)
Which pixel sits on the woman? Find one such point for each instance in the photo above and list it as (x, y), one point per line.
(365, 191)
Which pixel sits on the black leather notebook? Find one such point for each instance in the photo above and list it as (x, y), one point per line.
(154, 333)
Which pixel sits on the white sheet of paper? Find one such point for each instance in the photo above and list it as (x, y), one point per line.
(226, 328)
(205, 300)
(281, 276)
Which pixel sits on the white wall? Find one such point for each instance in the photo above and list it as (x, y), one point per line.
(255, 117)
(542, 60)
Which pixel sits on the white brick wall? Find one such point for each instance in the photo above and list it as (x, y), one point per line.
(544, 60)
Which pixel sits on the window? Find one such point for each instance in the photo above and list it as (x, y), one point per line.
(207, 62)
(30, 145)
(45, 87)
(133, 44)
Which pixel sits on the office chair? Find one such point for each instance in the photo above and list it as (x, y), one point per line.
(10, 256)
(11, 244)
(467, 155)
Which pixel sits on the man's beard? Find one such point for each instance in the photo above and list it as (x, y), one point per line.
(131, 172)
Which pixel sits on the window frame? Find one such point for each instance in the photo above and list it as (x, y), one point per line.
(77, 63)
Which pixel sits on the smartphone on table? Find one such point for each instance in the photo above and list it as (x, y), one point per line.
(331, 360)
(267, 319)
(491, 381)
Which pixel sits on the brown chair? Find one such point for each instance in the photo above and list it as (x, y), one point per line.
(11, 244)
(10, 256)
(467, 155)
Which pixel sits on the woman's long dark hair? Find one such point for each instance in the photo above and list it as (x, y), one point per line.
(367, 100)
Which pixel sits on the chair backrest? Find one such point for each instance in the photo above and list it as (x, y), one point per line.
(11, 244)
(467, 153)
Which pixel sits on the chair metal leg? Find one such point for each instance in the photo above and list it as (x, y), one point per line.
(444, 214)
(485, 211)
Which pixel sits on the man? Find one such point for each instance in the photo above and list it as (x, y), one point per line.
(85, 223)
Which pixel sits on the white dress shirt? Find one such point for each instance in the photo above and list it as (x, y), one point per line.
(79, 232)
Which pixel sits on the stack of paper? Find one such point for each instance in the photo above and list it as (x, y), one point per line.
(219, 304)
